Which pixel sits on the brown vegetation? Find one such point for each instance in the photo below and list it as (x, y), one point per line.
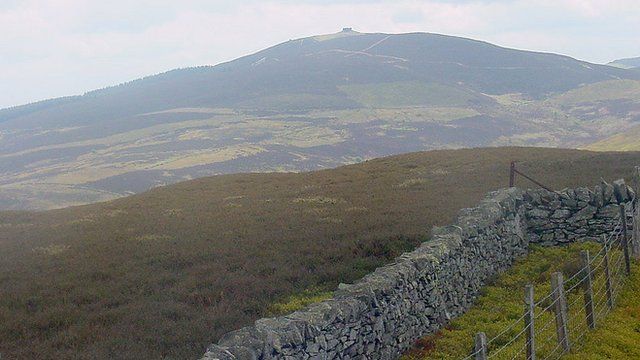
(164, 273)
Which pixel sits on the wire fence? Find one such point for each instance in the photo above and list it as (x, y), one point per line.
(557, 322)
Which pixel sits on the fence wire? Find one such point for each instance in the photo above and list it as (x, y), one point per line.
(575, 304)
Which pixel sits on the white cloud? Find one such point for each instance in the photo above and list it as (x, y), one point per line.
(51, 48)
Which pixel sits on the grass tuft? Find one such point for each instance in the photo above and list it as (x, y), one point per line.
(299, 301)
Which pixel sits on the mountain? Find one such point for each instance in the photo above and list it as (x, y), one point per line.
(628, 63)
(305, 104)
(162, 274)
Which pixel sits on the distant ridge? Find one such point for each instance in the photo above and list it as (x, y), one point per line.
(629, 63)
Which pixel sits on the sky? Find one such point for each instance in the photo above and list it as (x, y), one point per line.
(53, 48)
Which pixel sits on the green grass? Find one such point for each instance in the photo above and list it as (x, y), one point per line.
(618, 336)
(501, 304)
(164, 273)
(299, 301)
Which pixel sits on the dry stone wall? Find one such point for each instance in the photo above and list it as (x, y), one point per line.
(382, 314)
(574, 214)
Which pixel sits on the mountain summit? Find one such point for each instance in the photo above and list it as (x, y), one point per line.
(304, 104)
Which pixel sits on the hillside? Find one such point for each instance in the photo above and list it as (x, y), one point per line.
(628, 63)
(305, 104)
(626, 141)
(166, 272)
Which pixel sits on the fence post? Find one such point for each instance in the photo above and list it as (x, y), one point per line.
(625, 239)
(589, 307)
(636, 182)
(529, 317)
(635, 240)
(560, 309)
(512, 174)
(480, 348)
(607, 274)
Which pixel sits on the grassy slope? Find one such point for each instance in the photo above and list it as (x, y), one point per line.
(162, 274)
(73, 165)
(626, 141)
(602, 102)
(501, 304)
(601, 91)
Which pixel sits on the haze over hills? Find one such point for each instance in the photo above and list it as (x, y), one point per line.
(306, 104)
(629, 63)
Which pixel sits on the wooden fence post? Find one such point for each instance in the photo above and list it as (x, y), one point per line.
(560, 309)
(607, 274)
(529, 317)
(480, 348)
(635, 181)
(625, 239)
(512, 174)
(589, 307)
(635, 240)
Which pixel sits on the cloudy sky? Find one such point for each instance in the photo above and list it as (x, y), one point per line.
(51, 48)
